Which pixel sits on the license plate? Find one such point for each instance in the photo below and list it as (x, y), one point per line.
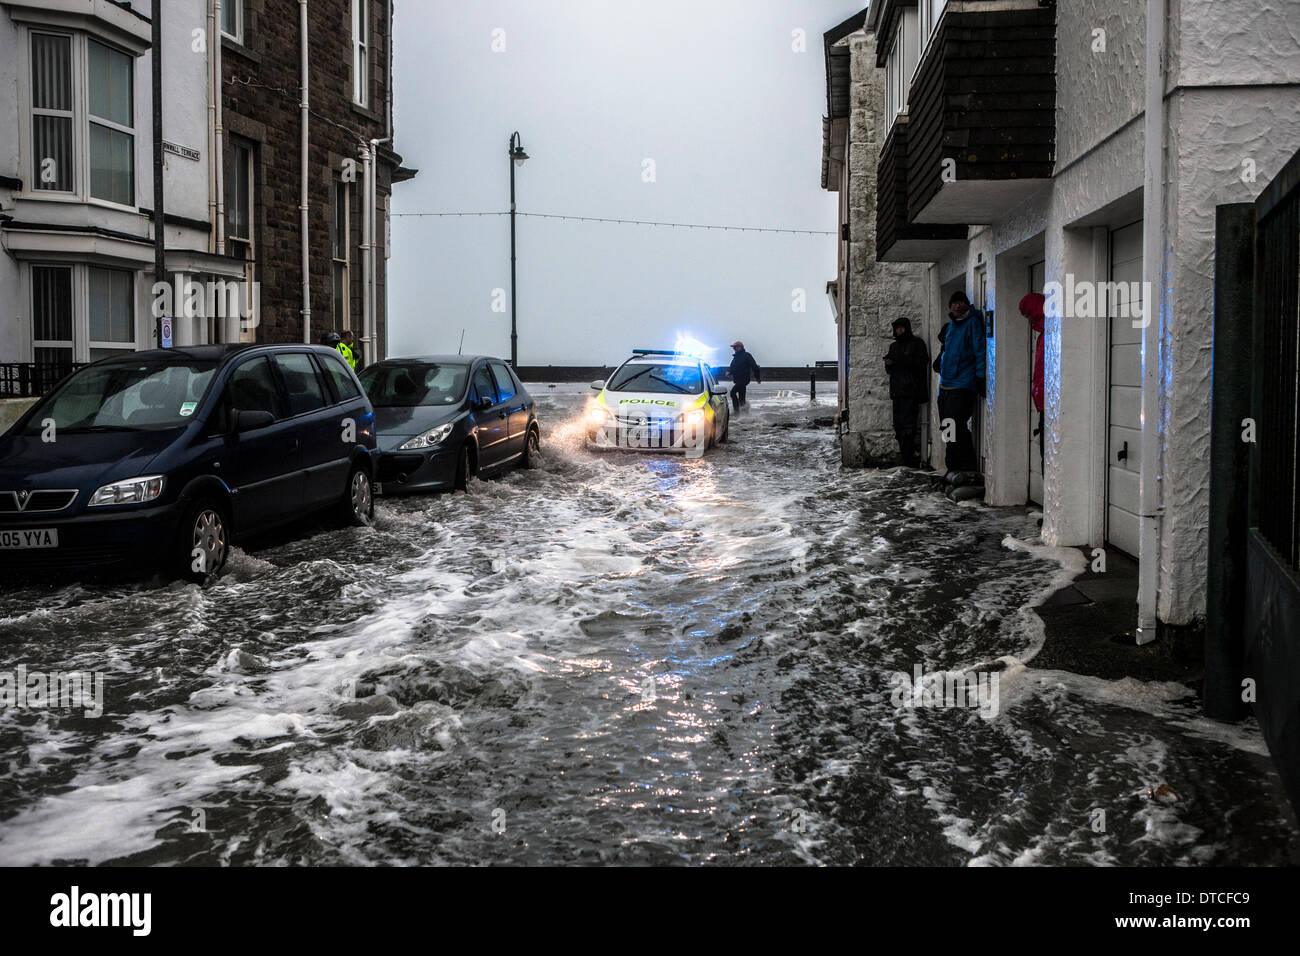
(29, 538)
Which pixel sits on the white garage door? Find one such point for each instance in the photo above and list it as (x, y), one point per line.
(1125, 391)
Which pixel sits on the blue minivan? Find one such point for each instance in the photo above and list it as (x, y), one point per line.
(163, 459)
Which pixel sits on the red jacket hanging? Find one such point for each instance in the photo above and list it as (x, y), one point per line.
(1031, 307)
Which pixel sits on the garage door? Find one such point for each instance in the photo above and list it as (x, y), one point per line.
(1125, 390)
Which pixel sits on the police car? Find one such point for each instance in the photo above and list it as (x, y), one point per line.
(659, 400)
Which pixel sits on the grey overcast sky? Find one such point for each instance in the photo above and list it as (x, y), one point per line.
(712, 92)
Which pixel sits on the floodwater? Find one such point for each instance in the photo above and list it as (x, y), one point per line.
(620, 658)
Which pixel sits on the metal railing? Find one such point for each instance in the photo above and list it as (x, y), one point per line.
(32, 379)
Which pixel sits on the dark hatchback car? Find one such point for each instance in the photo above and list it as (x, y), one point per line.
(443, 419)
(162, 459)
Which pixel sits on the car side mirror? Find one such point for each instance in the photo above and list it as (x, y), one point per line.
(597, 385)
(247, 421)
(483, 404)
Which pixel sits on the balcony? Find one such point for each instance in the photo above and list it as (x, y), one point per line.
(897, 240)
(982, 113)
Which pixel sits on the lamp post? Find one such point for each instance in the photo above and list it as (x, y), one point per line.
(517, 156)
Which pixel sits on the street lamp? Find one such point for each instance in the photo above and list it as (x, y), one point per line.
(516, 153)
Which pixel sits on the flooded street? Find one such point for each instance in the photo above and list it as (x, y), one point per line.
(619, 659)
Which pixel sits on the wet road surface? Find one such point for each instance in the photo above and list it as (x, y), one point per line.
(618, 659)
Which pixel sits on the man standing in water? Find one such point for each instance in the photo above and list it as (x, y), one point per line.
(743, 367)
(961, 368)
(908, 366)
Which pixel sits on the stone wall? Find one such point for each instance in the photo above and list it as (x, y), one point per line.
(878, 292)
(261, 105)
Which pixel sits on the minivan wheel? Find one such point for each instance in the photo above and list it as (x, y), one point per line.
(358, 506)
(532, 447)
(204, 541)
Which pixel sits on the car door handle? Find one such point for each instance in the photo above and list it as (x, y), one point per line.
(503, 415)
(294, 445)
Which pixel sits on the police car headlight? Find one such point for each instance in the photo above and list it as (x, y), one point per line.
(434, 436)
(133, 491)
(694, 417)
(598, 415)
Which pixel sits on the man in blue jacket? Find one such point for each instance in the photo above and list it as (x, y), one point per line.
(961, 367)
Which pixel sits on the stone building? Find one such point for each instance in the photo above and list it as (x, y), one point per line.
(76, 177)
(1078, 150)
(868, 294)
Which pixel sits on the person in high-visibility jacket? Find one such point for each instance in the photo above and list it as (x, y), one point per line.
(345, 349)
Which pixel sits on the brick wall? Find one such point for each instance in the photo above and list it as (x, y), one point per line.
(261, 105)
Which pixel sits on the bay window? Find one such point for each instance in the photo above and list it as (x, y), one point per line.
(82, 143)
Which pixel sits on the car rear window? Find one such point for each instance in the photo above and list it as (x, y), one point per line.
(344, 384)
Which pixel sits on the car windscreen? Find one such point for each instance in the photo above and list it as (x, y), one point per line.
(664, 378)
(125, 396)
(408, 384)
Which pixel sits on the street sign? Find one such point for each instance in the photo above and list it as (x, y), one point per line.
(166, 333)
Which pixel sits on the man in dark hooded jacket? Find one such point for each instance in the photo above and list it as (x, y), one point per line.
(908, 365)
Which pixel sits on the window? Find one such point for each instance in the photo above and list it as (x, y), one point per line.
(339, 246)
(52, 315)
(52, 122)
(304, 386)
(252, 388)
(239, 199)
(232, 19)
(505, 384)
(338, 374)
(111, 307)
(483, 388)
(361, 52)
(111, 111)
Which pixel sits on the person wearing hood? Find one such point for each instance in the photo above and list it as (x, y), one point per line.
(1031, 307)
(743, 368)
(908, 366)
(961, 365)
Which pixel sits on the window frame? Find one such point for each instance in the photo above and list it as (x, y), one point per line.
(361, 50)
(340, 243)
(238, 7)
(82, 119)
(106, 345)
(69, 344)
(69, 114)
(112, 125)
(81, 343)
(234, 147)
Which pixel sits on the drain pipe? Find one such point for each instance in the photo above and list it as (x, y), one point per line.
(212, 39)
(219, 130)
(372, 289)
(1150, 506)
(367, 174)
(303, 205)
